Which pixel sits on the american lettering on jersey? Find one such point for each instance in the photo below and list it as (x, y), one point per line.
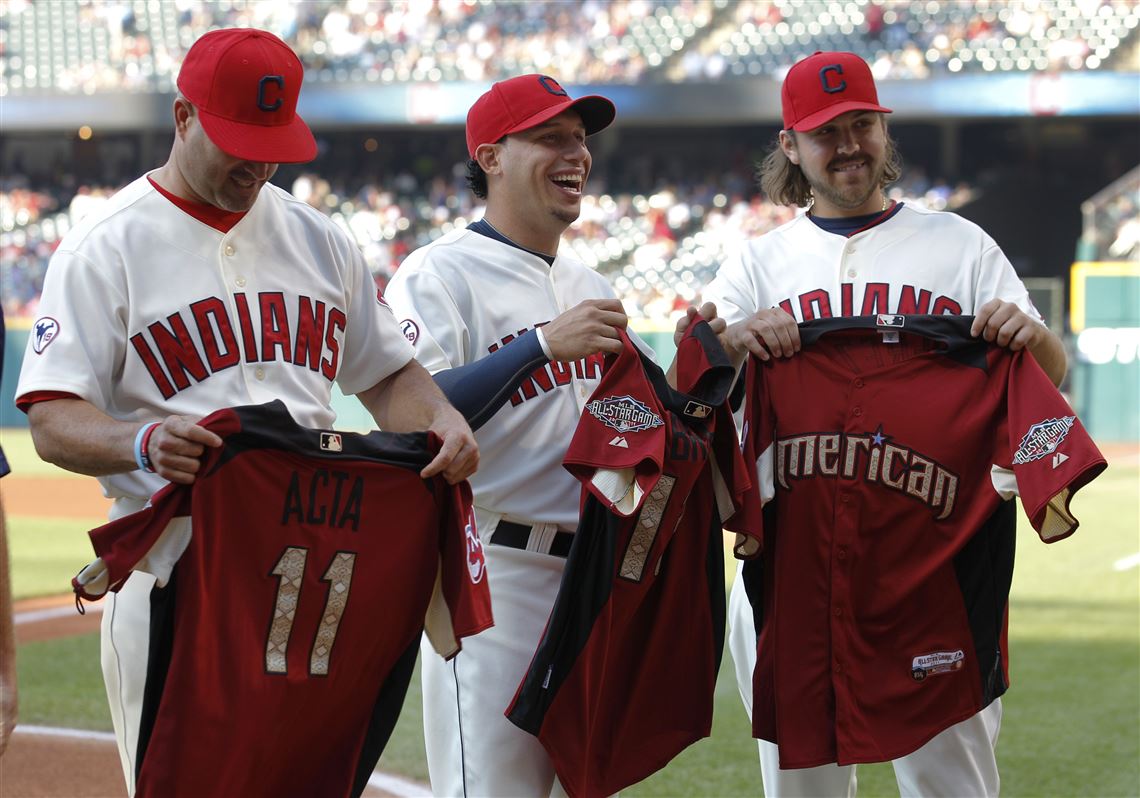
(555, 374)
(174, 357)
(874, 459)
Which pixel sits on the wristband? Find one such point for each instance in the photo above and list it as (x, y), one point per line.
(545, 346)
(142, 438)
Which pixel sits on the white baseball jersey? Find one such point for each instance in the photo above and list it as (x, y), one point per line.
(464, 296)
(148, 312)
(916, 262)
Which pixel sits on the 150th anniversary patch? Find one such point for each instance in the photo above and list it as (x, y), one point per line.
(624, 413)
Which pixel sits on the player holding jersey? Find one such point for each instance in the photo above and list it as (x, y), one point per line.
(857, 253)
(202, 286)
(515, 330)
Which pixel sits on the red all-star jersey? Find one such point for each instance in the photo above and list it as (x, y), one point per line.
(298, 571)
(623, 678)
(890, 448)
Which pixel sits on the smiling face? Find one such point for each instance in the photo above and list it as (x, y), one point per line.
(535, 180)
(208, 175)
(844, 161)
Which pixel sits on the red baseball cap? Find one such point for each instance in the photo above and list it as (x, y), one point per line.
(517, 104)
(825, 85)
(245, 83)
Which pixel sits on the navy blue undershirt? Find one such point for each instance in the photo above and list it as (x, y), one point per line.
(848, 226)
(479, 389)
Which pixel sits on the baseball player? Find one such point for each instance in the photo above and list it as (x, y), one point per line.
(857, 253)
(201, 286)
(882, 601)
(333, 525)
(515, 330)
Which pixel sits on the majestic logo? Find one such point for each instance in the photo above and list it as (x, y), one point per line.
(1042, 440)
(410, 330)
(476, 565)
(619, 442)
(1059, 458)
(331, 442)
(938, 662)
(44, 332)
(262, 102)
(624, 413)
(883, 320)
(697, 410)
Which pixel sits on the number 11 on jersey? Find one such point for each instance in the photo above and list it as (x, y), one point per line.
(290, 573)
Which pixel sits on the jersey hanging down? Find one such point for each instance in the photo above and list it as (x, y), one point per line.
(889, 450)
(623, 678)
(299, 569)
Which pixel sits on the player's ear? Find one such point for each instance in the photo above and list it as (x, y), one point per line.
(489, 157)
(788, 145)
(183, 113)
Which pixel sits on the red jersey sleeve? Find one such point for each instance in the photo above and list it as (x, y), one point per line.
(460, 605)
(619, 444)
(1050, 451)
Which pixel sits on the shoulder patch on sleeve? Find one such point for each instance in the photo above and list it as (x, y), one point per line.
(44, 331)
(1042, 439)
(410, 329)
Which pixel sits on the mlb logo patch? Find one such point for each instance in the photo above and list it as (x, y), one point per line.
(44, 332)
(698, 410)
(331, 442)
(1042, 440)
(884, 320)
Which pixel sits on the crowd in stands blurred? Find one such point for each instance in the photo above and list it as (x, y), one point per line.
(657, 247)
(84, 46)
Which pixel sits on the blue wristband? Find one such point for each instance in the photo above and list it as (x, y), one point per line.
(142, 459)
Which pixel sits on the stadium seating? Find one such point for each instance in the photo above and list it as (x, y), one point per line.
(86, 46)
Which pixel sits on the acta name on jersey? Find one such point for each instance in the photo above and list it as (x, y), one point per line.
(861, 456)
(324, 498)
(817, 303)
(311, 340)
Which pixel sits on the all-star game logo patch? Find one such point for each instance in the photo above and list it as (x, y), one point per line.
(624, 413)
(938, 662)
(1042, 439)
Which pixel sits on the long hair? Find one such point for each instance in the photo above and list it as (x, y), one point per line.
(476, 179)
(784, 182)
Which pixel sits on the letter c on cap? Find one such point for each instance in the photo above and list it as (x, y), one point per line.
(551, 85)
(262, 103)
(824, 79)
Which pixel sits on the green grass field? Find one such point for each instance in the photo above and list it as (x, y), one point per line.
(1071, 723)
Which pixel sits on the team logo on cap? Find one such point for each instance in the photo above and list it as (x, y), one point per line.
(264, 104)
(624, 413)
(331, 442)
(551, 85)
(825, 79)
(476, 565)
(1042, 439)
(938, 662)
(44, 332)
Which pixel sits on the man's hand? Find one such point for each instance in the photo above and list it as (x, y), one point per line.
(459, 455)
(707, 312)
(175, 447)
(588, 327)
(1007, 325)
(769, 333)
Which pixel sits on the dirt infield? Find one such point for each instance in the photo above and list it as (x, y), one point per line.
(54, 497)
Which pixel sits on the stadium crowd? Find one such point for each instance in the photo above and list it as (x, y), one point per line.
(133, 45)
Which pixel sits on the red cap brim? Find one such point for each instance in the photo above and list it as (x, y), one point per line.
(289, 143)
(596, 111)
(825, 115)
